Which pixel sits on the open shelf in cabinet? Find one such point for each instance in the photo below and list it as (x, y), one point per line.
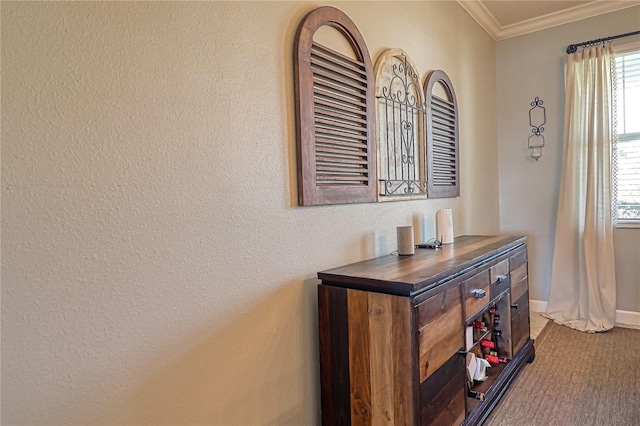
(495, 317)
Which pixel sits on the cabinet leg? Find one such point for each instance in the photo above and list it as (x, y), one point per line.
(532, 357)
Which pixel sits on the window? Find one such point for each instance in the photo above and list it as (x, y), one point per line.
(627, 154)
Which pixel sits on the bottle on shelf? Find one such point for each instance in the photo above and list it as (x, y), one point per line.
(495, 359)
(487, 346)
(479, 327)
(475, 395)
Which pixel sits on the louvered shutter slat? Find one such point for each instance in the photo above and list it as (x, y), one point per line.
(442, 138)
(336, 155)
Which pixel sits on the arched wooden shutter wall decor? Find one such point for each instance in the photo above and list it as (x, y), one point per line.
(334, 113)
(442, 138)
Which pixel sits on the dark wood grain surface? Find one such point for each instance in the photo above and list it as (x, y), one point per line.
(392, 332)
(366, 354)
(408, 275)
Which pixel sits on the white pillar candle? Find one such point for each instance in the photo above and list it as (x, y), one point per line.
(444, 226)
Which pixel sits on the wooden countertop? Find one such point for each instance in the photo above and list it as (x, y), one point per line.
(409, 275)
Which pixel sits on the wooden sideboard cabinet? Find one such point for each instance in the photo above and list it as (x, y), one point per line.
(396, 333)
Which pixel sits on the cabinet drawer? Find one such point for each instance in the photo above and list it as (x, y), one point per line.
(440, 331)
(518, 259)
(519, 288)
(499, 278)
(518, 274)
(476, 293)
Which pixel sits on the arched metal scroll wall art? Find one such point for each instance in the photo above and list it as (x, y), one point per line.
(537, 119)
(401, 115)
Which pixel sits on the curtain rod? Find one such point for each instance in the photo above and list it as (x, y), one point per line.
(572, 48)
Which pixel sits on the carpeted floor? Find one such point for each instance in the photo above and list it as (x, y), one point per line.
(577, 379)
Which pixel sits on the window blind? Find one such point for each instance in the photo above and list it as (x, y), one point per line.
(627, 167)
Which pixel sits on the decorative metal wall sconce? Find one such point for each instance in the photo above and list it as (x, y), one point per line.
(537, 119)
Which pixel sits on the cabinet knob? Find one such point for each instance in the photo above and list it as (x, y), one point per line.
(502, 278)
(514, 305)
(479, 293)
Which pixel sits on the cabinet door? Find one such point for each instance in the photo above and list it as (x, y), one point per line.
(520, 322)
(440, 331)
(366, 361)
(442, 395)
(520, 327)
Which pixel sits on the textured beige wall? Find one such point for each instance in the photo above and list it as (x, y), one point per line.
(529, 66)
(155, 267)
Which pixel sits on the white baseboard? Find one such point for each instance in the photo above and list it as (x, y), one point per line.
(538, 305)
(627, 319)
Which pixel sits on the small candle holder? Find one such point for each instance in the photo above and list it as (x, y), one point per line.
(537, 119)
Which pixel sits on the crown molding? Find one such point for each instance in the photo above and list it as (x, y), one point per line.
(485, 19)
(482, 16)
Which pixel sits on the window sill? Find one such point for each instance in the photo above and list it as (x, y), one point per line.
(627, 224)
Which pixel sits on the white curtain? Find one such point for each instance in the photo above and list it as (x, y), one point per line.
(583, 282)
